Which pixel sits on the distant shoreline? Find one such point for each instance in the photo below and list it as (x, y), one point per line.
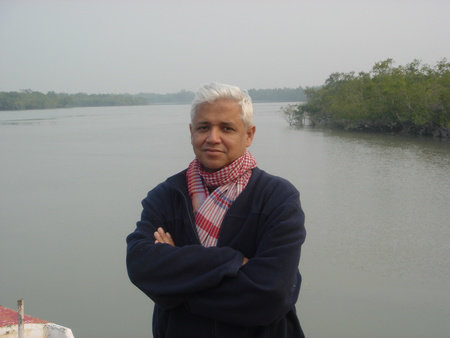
(30, 100)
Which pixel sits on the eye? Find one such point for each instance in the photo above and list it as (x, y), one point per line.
(228, 129)
(202, 128)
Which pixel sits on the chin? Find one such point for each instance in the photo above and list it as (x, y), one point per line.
(211, 168)
(212, 165)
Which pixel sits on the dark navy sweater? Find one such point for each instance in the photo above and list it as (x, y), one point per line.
(206, 292)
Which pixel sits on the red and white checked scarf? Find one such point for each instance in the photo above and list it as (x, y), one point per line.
(210, 208)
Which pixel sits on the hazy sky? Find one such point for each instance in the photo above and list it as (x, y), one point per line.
(132, 46)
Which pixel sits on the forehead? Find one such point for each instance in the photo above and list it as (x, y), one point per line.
(221, 110)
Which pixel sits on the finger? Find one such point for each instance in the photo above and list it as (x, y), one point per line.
(170, 239)
(160, 232)
(158, 237)
(161, 236)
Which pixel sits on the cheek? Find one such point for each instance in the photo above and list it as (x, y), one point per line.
(197, 140)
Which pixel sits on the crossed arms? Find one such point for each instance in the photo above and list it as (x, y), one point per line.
(220, 282)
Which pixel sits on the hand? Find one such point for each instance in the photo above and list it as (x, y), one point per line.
(163, 237)
(244, 261)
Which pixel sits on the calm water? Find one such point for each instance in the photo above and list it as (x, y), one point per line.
(376, 262)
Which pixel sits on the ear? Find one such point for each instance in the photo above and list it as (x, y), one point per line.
(190, 130)
(250, 134)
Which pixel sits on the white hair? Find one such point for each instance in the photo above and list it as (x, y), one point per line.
(214, 91)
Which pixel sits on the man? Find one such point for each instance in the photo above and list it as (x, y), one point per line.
(218, 244)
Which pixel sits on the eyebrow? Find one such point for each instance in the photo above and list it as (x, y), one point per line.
(220, 123)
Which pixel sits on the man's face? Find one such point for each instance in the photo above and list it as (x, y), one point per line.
(218, 134)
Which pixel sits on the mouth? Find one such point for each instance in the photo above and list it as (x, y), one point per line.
(212, 151)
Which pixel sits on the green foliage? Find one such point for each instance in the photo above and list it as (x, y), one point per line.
(28, 99)
(277, 95)
(412, 97)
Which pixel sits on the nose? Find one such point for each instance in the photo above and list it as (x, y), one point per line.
(213, 136)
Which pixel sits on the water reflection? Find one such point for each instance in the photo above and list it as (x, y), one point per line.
(375, 263)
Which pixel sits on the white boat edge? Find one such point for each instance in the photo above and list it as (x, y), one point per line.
(47, 330)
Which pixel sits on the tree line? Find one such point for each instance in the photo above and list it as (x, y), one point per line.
(414, 98)
(277, 95)
(29, 99)
(257, 95)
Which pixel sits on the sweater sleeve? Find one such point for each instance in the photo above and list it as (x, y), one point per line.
(267, 287)
(168, 274)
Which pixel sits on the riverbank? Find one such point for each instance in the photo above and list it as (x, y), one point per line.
(426, 130)
(300, 119)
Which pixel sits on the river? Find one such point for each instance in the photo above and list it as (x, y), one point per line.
(376, 261)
